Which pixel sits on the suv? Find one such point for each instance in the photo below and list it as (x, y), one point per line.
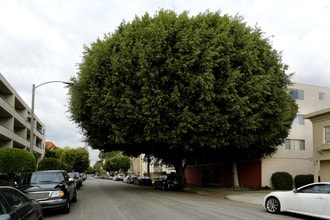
(53, 189)
(166, 182)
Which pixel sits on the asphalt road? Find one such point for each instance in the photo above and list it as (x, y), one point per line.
(106, 200)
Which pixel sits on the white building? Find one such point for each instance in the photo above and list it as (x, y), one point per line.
(296, 155)
(15, 122)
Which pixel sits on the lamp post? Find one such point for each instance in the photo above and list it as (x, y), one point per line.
(34, 87)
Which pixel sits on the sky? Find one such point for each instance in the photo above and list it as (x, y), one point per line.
(43, 40)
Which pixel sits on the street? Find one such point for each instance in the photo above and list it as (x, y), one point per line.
(100, 199)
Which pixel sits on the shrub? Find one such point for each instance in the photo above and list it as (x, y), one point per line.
(282, 181)
(15, 161)
(301, 180)
(49, 163)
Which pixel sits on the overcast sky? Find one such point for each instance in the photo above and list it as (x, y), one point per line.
(42, 40)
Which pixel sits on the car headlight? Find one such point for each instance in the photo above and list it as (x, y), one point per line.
(57, 194)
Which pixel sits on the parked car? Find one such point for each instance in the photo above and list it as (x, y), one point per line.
(143, 181)
(167, 182)
(83, 176)
(131, 178)
(16, 205)
(119, 177)
(53, 189)
(312, 200)
(77, 178)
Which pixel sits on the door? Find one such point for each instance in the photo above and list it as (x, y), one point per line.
(311, 199)
(20, 204)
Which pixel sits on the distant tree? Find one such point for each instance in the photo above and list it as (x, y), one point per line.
(90, 170)
(98, 165)
(175, 86)
(50, 163)
(14, 161)
(75, 159)
(118, 163)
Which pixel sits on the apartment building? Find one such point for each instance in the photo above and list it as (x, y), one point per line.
(295, 156)
(15, 122)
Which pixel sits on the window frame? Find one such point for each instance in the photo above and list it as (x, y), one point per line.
(327, 134)
(299, 120)
(295, 144)
(297, 94)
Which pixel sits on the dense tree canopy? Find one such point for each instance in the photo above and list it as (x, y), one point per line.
(178, 85)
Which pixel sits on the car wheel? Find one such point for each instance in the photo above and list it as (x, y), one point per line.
(273, 205)
(66, 208)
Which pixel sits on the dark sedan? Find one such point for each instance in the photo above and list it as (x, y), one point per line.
(167, 182)
(53, 189)
(16, 205)
(143, 181)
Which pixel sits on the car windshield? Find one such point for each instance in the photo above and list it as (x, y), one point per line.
(50, 177)
(72, 175)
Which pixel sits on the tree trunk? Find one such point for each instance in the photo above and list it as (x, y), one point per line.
(180, 167)
(235, 175)
(148, 165)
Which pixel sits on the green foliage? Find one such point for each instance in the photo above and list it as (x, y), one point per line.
(118, 163)
(282, 181)
(90, 170)
(105, 155)
(301, 180)
(50, 164)
(4, 182)
(180, 87)
(15, 161)
(50, 153)
(75, 159)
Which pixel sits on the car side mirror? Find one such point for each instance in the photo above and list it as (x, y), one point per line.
(295, 190)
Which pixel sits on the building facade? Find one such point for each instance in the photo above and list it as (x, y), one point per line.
(295, 156)
(321, 143)
(15, 122)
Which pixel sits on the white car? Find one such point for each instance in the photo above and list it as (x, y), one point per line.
(312, 200)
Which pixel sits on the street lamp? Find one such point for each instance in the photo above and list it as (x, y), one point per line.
(34, 87)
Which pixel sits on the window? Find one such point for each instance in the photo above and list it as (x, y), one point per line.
(321, 95)
(4, 209)
(327, 134)
(297, 94)
(299, 120)
(317, 188)
(292, 144)
(14, 198)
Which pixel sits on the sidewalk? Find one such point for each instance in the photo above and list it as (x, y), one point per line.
(252, 198)
(242, 195)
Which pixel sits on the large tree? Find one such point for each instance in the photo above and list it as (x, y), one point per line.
(176, 86)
